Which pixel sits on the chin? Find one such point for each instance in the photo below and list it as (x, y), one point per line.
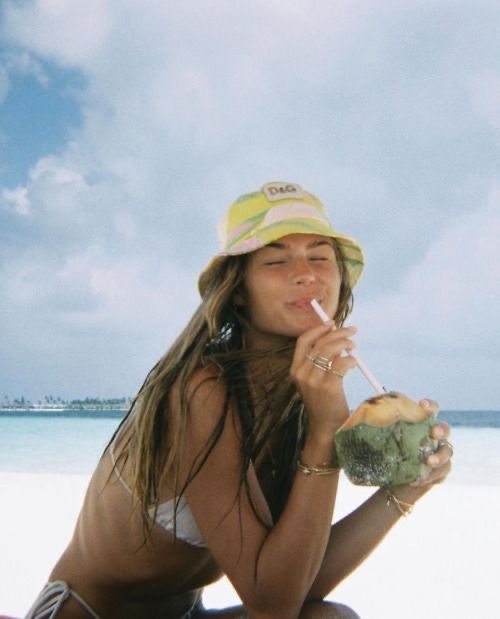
(299, 330)
(310, 322)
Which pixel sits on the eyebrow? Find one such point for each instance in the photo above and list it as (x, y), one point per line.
(311, 245)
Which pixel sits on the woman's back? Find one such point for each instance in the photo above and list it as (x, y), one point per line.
(116, 567)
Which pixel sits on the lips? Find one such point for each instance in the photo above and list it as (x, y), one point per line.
(304, 303)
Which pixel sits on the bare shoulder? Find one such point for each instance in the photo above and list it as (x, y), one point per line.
(206, 399)
(205, 383)
(211, 432)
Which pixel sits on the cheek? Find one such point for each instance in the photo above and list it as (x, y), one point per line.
(258, 284)
(257, 297)
(260, 295)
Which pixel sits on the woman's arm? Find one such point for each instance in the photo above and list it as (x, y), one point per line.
(273, 569)
(354, 537)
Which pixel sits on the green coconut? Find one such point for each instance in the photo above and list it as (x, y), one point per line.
(386, 441)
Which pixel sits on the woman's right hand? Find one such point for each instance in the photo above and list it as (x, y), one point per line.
(321, 389)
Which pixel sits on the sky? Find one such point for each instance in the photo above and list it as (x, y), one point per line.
(128, 127)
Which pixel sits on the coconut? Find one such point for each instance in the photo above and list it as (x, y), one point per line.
(386, 441)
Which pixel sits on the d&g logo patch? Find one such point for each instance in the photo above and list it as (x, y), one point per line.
(281, 191)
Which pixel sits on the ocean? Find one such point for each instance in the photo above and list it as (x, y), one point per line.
(71, 442)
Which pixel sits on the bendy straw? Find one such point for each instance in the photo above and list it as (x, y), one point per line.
(362, 367)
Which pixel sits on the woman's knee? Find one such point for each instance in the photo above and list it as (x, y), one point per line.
(310, 610)
(327, 610)
(235, 612)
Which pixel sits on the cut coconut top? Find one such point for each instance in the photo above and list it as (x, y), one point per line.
(385, 409)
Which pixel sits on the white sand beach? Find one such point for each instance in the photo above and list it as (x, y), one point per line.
(441, 562)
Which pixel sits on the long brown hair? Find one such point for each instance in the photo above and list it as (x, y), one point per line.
(215, 336)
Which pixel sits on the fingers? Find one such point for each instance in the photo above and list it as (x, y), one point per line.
(436, 476)
(441, 430)
(327, 345)
(442, 455)
(430, 406)
(326, 341)
(440, 461)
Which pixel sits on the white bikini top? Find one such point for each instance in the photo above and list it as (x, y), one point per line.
(185, 526)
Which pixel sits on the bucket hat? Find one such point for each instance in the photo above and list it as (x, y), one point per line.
(274, 211)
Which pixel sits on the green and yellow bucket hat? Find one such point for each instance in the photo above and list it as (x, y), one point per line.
(276, 210)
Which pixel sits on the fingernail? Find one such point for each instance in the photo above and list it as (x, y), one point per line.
(433, 460)
(426, 403)
(439, 431)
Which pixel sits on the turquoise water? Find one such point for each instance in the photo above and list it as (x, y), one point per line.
(69, 443)
(53, 444)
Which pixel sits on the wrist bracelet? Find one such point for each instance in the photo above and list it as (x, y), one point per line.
(403, 508)
(321, 469)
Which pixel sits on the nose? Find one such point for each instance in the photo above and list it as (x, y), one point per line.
(302, 272)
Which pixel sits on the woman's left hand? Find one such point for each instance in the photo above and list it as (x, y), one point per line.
(440, 461)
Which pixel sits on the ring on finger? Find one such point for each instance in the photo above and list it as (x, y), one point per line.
(325, 364)
(322, 363)
(337, 373)
(445, 442)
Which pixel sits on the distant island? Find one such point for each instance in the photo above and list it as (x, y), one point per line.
(56, 403)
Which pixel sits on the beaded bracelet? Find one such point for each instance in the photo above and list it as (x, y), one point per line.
(403, 508)
(322, 469)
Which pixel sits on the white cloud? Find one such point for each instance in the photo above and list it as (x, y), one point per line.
(450, 302)
(90, 322)
(70, 32)
(437, 335)
(485, 96)
(17, 200)
(57, 198)
(23, 63)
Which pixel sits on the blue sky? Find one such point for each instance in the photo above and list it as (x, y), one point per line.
(125, 133)
(37, 119)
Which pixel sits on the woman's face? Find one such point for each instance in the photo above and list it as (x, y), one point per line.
(280, 281)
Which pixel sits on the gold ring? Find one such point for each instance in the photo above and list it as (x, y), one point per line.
(322, 363)
(337, 373)
(445, 442)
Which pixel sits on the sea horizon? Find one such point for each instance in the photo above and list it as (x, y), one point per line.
(449, 415)
(72, 441)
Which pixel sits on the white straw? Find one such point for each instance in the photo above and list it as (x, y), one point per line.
(320, 311)
(362, 367)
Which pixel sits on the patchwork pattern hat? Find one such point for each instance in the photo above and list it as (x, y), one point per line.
(276, 210)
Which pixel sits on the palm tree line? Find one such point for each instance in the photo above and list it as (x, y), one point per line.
(56, 402)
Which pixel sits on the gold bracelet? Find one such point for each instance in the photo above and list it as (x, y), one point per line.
(321, 469)
(403, 508)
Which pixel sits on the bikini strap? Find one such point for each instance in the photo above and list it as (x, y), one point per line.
(51, 599)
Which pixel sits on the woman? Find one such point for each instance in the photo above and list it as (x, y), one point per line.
(226, 462)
